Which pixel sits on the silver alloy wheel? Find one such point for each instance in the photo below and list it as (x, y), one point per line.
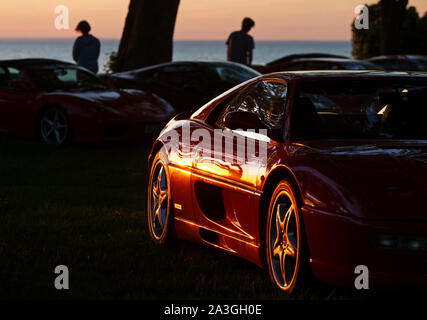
(159, 201)
(283, 241)
(54, 126)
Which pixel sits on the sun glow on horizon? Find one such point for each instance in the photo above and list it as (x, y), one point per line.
(197, 19)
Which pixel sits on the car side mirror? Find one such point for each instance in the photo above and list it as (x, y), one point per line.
(243, 120)
(19, 85)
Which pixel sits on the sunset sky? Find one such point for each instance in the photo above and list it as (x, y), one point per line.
(197, 19)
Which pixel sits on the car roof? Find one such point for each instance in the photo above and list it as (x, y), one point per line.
(22, 63)
(329, 60)
(195, 63)
(396, 57)
(295, 57)
(346, 75)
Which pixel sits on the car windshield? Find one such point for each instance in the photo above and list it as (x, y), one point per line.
(421, 64)
(361, 109)
(67, 78)
(235, 74)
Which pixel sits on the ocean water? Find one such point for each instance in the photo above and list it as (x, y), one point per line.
(265, 51)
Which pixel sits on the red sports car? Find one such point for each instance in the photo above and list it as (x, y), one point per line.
(303, 172)
(57, 102)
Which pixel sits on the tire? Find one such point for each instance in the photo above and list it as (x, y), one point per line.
(54, 127)
(286, 249)
(159, 208)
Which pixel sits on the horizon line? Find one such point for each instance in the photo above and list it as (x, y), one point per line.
(179, 40)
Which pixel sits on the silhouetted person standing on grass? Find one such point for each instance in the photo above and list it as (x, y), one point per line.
(240, 44)
(86, 48)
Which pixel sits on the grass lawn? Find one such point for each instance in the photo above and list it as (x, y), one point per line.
(84, 207)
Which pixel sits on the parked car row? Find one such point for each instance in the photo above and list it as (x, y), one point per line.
(340, 186)
(60, 102)
(319, 61)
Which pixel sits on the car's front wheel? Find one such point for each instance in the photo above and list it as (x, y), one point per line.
(284, 238)
(159, 200)
(54, 126)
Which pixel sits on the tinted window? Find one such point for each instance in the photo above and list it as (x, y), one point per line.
(369, 109)
(353, 65)
(295, 67)
(316, 65)
(421, 64)
(398, 65)
(8, 74)
(178, 76)
(235, 74)
(55, 78)
(308, 65)
(13, 71)
(265, 99)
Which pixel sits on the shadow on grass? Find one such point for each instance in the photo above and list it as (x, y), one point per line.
(84, 207)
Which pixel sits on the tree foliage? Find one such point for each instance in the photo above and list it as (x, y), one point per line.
(407, 36)
(366, 42)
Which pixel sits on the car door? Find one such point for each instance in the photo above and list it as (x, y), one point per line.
(14, 111)
(225, 179)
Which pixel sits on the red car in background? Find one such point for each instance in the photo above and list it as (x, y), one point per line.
(401, 62)
(59, 102)
(320, 63)
(341, 187)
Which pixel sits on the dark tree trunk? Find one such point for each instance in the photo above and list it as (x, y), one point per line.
(392, 15)
(148, 34)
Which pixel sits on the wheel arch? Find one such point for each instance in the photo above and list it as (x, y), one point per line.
(156, 148)
(276, 175)
(43, 109)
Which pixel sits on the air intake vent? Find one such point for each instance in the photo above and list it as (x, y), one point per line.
(210, 200)
(209, 236)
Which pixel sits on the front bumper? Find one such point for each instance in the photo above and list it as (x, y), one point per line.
(338, 244)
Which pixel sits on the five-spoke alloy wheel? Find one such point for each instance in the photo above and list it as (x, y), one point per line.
(159, 200)
(54, 127)
(283, 243)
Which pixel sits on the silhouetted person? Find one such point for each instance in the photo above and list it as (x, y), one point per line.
(86, 48)
(240, 44)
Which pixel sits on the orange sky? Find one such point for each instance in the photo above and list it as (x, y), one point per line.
(197, 19)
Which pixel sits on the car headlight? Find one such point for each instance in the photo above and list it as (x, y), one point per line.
(400, 242)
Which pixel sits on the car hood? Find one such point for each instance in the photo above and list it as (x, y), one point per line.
(137, 104)
(388, 177)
